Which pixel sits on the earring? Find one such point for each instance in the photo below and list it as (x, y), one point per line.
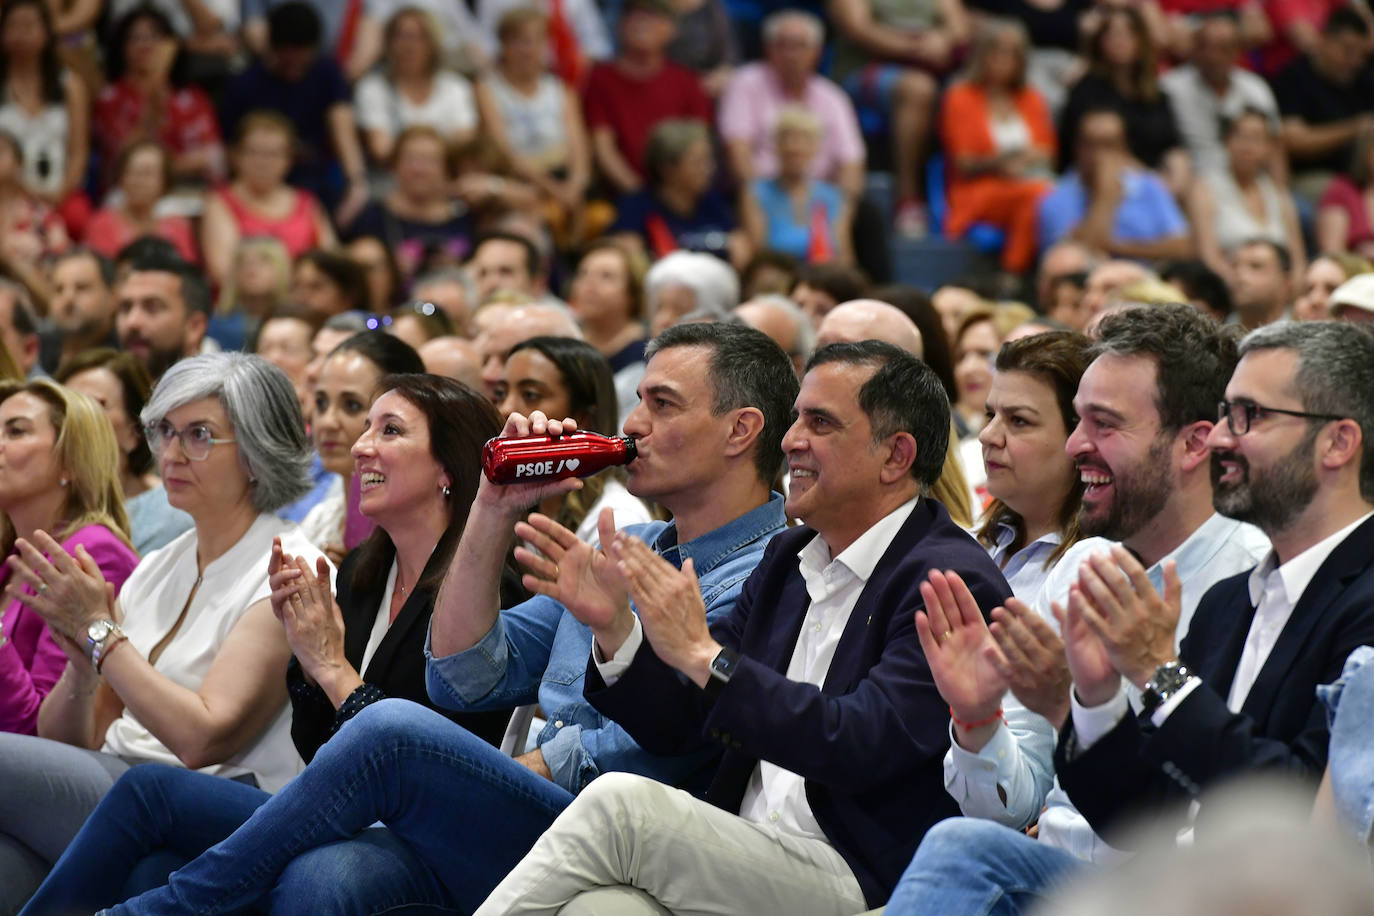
(446, 491)
(63, 481)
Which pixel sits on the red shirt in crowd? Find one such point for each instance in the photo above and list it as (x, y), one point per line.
(632, 107)
(122, 115)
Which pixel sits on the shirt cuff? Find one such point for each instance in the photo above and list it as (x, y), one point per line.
(611, 671)
(1168, 706)
(1090, 723)
(473, 673)
(568, 761)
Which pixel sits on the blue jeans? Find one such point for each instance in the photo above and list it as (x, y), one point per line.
(971, 867)
(459, 815)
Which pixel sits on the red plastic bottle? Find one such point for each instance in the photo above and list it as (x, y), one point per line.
(537, 459)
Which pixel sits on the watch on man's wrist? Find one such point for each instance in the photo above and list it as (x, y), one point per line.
(1167, 680)
(722, 669)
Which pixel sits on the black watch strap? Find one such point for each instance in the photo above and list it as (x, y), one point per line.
(722, 669)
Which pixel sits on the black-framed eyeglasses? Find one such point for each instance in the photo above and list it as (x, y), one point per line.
(1240, 414)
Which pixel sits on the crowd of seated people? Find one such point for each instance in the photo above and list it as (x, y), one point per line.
(909, 597)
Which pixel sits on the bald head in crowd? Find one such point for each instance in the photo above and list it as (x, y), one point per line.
(783, 321)
(509, 326)
(869, 319)
(455, 358)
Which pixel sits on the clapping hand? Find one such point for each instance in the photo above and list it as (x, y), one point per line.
(584, 579)
(1135, 624)
(1030, 656)
(670, 607)
(960, 652)
(305, 605)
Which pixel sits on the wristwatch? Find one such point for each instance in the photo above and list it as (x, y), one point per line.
(100, 636)
(1167, 680)
(722, 668)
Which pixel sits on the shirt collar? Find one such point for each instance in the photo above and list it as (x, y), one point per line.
(860, 557)
(1298, 572)
(1197, 550)
(709, 549)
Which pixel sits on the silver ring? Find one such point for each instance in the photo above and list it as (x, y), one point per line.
(42, 587)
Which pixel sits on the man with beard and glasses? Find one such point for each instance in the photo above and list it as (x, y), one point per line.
(1146, 408)
(1290, 455)
(164, 309)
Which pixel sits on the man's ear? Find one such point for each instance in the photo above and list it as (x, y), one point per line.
(901, 455)
(196, 325)
(1341, 444)
(1194, 439)
(744, 431)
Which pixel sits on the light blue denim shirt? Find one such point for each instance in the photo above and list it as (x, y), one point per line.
(537, 652)
(1350, 710)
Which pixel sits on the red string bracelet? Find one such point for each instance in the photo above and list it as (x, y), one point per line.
(970, 726)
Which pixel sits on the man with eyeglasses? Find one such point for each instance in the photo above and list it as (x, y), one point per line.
(1146, 406)
(1293, 458)
(1290, 455)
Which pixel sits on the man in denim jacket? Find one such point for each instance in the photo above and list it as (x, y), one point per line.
(715, 402)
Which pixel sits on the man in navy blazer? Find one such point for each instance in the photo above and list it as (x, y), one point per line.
(815, 685)
(1293, 455)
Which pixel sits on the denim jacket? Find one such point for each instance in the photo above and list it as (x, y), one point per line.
(537, 652)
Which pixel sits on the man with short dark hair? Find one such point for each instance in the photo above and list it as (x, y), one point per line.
(1261, 292)
(506, 261)
(814, 684)
(1145, 404)
(715, 406)
(1291, 456)
(164, 310)
(83, 305)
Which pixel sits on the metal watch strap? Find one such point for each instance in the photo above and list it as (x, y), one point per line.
(1167, 680)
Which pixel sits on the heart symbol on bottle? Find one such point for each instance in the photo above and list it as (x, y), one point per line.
(572, 464)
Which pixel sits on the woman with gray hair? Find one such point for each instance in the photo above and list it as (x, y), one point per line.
(188, 667)
(686, 286)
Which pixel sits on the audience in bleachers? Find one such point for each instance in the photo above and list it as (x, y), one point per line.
(562, 204)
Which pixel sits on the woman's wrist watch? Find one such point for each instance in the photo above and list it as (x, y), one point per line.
(101, 636)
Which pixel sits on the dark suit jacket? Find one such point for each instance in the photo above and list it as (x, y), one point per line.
(397, 667)
(870, 742)
(1281, 727)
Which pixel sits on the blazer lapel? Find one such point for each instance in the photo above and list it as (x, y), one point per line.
(1218, 667)
(1346, 561)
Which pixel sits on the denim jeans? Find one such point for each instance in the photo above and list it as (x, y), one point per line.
(967, 866)
(459, 816)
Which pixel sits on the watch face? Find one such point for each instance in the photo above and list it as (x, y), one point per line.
(97, 631)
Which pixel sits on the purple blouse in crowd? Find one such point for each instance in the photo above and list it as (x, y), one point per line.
(31, 661)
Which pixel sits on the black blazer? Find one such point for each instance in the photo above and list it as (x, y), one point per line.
(397, 667)
(1281, 727)
(870, 742)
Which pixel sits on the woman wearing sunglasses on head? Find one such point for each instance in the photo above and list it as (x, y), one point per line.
(188, 667)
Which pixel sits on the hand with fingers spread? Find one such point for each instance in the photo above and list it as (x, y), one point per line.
(670, 607)
(1095, 680)
(582, 578)
(958, 649)
(69, 592)
(515, 499)
(1135, 624)
(1030, 656)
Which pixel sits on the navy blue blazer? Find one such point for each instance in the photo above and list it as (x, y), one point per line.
(870, 742)
(1281, 728)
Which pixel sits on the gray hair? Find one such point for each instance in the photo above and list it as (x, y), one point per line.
(1335, 375)
(774, 23)
(714, 283)
(262, 407)
(669, 142)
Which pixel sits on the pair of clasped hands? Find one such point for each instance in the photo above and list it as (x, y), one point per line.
(1115, 625)
(596, 584)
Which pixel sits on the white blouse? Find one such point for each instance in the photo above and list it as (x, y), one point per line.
(152, 600)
